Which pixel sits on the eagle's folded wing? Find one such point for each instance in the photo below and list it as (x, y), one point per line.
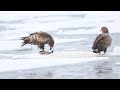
(98, 38)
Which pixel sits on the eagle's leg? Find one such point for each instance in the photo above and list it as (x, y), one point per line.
(105, 50)
(41, 49)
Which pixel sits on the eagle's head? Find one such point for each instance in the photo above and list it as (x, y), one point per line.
(104, 30)
(51, 44)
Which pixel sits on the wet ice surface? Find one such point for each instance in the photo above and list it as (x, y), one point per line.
(72, 31)
(105, 69)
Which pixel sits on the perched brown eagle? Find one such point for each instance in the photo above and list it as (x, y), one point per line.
(102, 41)
(39, 39)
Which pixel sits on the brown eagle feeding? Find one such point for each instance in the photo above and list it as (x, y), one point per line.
(39, 39)
(102, 41)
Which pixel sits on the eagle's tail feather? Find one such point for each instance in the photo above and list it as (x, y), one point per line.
(23, 38)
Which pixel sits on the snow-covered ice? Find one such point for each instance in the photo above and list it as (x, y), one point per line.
(71, 30)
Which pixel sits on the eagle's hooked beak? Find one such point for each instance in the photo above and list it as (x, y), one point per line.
(50, 48)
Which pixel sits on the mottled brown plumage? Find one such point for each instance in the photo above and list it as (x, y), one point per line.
(102, 41)
(39, 39)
